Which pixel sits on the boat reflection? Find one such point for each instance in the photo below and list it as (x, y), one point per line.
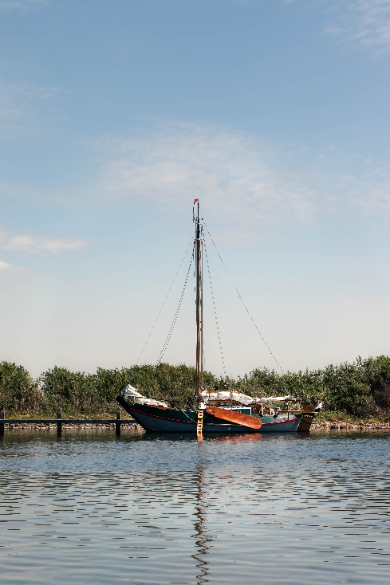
(202, 539)
(234, 438)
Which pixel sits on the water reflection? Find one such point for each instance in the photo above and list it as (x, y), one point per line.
(155, 509)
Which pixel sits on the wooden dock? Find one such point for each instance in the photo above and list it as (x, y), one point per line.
(59, 421)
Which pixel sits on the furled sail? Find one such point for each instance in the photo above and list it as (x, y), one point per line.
(138, 398)
(242, 398)
(208, 396)
(273, 399)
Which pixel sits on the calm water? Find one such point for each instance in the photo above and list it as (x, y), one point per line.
(90, 508)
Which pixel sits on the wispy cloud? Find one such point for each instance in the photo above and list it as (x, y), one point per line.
(35, 244)
(4, 265)
(23, 5)
(241, 179)
(366, 22)
(378, 201)
(232, 172)
(19, 104)
(359, 23)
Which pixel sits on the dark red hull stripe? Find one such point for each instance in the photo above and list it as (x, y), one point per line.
(282, 422)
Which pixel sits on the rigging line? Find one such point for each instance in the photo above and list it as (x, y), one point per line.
(162, 306)
(172, 327)
(241, 299)
(215, 310)
(170, 332)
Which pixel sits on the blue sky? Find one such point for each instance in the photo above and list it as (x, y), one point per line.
(115, 115)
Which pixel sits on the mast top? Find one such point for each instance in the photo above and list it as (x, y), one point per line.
(196, 219)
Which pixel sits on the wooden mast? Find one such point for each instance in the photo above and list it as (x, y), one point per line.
(199, 405)
(201, 314)
(198, 309)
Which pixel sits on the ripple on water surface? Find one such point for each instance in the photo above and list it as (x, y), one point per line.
(167, 510)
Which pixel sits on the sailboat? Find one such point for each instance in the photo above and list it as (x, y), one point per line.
(214, 412)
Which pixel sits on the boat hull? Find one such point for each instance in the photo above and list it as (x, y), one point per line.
(161, 420)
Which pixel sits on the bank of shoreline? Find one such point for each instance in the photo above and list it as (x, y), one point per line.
(342, 425)
(132, 425)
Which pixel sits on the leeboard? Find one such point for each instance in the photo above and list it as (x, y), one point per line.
(238, 418)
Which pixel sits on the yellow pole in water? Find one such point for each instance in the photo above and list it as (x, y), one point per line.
(199, 426)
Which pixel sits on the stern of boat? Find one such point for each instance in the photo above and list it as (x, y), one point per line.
(307, 419)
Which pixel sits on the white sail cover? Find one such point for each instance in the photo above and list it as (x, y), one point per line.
(223, 395)
(137, 396)
(243, 398)
(213, 396)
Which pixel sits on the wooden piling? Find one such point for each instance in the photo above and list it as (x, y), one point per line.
(2, 421)
(118, 421)
(59, 423)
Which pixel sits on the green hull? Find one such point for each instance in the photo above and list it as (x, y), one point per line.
(161, 420)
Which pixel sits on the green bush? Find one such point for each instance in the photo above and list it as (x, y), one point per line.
(72, 391)
(358, 389)
(18, 391)
(82, 393)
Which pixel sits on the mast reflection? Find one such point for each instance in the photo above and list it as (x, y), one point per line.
(202, 540)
